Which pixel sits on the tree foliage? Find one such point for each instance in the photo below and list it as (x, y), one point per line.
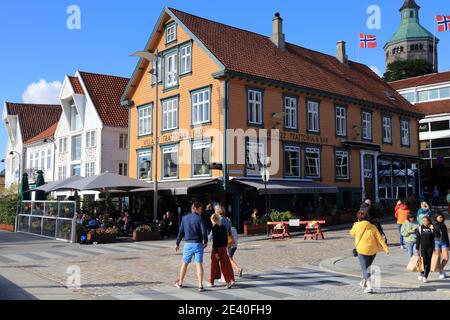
(400, 70)
(8, 205)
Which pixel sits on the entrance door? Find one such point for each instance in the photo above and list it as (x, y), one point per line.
(369, 176)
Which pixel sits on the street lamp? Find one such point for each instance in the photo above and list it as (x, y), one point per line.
(150, 57)
(54, 155)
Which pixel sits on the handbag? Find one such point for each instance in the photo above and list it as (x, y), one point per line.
(355, 251)
(231, 241)
(415, 264)
(436, 262)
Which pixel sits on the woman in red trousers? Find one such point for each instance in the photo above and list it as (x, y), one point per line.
(219, 255)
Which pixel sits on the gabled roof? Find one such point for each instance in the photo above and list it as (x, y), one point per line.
(429, 79)
(105, 92)
(434, 107)
(253, 54)
(34, 119)
(76, 85)
(49, 133)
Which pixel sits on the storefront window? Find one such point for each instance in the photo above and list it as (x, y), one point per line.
(292, 161)
(384, 179)
(144, 164)
(170, 162)
(399, 170)
(201, 156)
(254, 156)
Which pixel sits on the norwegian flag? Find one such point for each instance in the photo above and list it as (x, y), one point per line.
(367, 41)
(443, 23)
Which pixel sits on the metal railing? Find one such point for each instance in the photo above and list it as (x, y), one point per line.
(48, 219)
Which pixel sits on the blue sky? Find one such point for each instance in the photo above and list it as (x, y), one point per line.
(36, 44)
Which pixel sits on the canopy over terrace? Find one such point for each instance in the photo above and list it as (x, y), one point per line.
(178, 187)
(56, 185)
(288, 187)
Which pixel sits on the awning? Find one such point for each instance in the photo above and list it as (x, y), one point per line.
(288, 187)
(178, 187)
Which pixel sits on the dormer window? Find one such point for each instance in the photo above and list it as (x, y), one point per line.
(75, 120)
(171, 33)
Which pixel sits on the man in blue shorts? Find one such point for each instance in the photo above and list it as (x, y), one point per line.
(193, 231)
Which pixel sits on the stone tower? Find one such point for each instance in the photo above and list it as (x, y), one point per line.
(412, 41)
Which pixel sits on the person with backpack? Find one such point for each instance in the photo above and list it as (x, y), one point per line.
(401, 215)
(408, 231)
(441, 243)
(425, 245)
(368, 242)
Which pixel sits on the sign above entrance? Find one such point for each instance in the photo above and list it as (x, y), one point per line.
(301, 137)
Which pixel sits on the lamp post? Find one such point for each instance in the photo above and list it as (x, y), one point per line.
(150, 57)
(54, 155)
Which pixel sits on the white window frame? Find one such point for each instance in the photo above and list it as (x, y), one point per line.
(42, 167)
(292, 149)
(72, 167)
(62, 172)
(291, 112)
(73, 149)
(91, 139)
(157, 71)
(201, 145)
(170, 114)
(31, 160)
(313, 116)
(36, 159)
(312, 150)
(186, 59)
(387, 129)
(366, 125)
(75, 119)
(89, 169)
(147, 154)
(257, 149)
(171, 33)
(405, 132)
(171, 69)
(49, 158)
(201, 106)
(340, 166)
(145, 120)
(255, 106)
(341, 121)
(172, 149)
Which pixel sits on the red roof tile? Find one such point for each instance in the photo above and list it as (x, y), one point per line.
(421, 80)
(76, 85)
(34, 118)
(434, 107)
(255, 55)
(49, 133)
(105, 92)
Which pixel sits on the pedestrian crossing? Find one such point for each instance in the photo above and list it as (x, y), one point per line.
(279, 284)
(76, 251)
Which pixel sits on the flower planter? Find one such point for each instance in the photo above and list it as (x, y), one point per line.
(101, 238)
(146, 236)
(254, 229)
(7, 227)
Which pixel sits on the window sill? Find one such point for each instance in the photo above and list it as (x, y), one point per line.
(142, 136)
(167, 89)
(185, 74)
(201, 124)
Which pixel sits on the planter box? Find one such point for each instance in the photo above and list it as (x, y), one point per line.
(146, 236)
(101, 238)
(254, 229)
(347, 218)
(7, 227)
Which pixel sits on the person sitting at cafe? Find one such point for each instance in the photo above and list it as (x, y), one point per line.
(93, 223)
(84, 220)
(127, 222)
(166, 225)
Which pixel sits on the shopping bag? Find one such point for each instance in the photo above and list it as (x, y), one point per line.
(415, 264)
(435, 262)
(231, 241)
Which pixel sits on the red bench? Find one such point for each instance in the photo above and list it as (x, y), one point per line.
(313, 229)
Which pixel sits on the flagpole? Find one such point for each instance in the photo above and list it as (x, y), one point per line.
(359, 47)
(434, 46)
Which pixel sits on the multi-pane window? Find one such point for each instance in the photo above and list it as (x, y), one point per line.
(36, 159)
(201, 102)
(186, 59)
(313, 116)
(123, 169)
(75, 120)
(201, 157)
(171, 67)
(62, 173)
(342, 165)
(144, 164)
(404, 128)
(89, 169)
(123, 141)
(387, 129)
(31, 160)
(76, 148)
(292, 161)
(170, 114)
(91, 139)
(76, 170)
(62, 145)
(254, 107)
(145, 120)
(171, 33)
(157, 70)
(366, 125)
(42, 159)
(341, 121)
(170, 162)
(312, 165)
(290, 111)
(255, 154)
(49, 158)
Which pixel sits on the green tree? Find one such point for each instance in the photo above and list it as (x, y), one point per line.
(400, 70)
(8, 205)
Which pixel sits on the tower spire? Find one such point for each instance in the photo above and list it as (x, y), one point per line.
(409, 4)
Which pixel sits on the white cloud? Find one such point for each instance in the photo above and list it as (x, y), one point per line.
(376, 70)
(42, 92)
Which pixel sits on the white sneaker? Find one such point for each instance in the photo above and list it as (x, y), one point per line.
(368, 290)
(442, 275)
(420, 278)
(424, 280)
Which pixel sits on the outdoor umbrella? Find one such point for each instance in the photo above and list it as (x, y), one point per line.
(57, 185)
(24, 188)
(40, 195)
(105, 182)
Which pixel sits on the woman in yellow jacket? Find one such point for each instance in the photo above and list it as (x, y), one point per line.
(368, 242)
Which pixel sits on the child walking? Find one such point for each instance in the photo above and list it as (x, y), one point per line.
(425, 243)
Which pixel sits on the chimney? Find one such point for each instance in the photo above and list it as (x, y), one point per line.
(341, 55)
(277, 31)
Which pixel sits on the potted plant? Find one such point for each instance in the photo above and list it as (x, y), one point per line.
(102, 235)
(255, 227)
(146, 233)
